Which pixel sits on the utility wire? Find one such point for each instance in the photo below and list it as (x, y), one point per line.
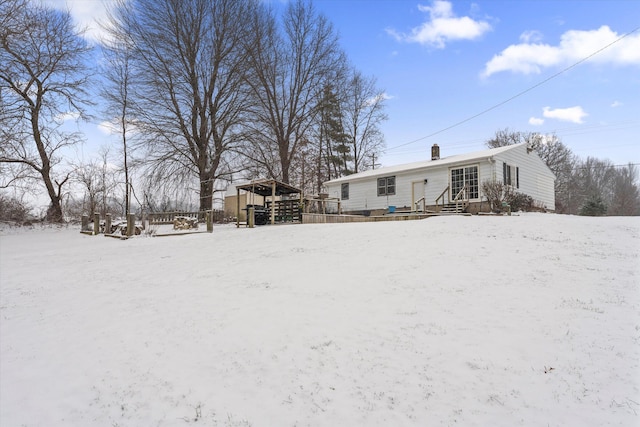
(579, 168)
(500, 104)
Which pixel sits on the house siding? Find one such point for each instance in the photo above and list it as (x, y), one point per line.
(536, 180)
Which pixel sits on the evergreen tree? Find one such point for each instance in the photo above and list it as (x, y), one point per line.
(593, 206)
(335, 153)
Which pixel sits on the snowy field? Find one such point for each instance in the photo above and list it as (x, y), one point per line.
(529, 320)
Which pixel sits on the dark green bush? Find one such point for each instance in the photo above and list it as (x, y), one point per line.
(593, 206)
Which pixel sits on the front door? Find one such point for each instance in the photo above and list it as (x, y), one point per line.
(466, 175)
(417, 196)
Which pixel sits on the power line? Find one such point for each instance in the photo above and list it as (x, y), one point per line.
(500, 104)
(579, 168)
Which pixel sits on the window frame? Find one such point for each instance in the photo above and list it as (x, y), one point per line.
(344, 189)
(386, 186)
(510, 175)
(469, 174)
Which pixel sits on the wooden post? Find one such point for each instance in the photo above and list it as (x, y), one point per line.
(96, 223)
(107, 224)
(131, 225)
(209, 218)
(237, 207)
(85, 223)
(251, 216)
(273, 202)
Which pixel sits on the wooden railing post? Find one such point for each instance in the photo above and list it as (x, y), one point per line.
(131, 224)
(107, 224)
(96, 223)
(441, 196)
(209, 219)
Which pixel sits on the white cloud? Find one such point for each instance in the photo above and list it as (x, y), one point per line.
(531, 57)
(69, 115)
(86, 14)
(615, 104)
(531, 36)
(113, 127)
(384, 96)
(571, 114)
(442, 26)
(108, 128)
(536, 121)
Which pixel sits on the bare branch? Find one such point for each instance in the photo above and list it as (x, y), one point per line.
(43, 76)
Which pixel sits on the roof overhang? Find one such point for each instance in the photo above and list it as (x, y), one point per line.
(445, 162)
(268, 187)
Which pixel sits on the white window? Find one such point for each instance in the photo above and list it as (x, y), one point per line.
(387, 186)
(510, 175)
(345, 191)
(465, 175)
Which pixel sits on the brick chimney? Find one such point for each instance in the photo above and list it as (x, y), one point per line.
(435, 152)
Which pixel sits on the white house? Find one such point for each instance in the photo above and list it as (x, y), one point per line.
(416, 186)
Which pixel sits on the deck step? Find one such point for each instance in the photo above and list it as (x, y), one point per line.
(451, 208)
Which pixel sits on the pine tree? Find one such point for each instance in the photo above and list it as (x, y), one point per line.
(593, 206)
(337, 153)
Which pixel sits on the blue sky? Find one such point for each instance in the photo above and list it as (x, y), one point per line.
(441, 63)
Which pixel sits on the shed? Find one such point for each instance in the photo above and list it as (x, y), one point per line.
(430, 184)
(277, 197)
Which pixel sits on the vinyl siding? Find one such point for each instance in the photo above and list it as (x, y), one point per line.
(363, 192)
(536, 180)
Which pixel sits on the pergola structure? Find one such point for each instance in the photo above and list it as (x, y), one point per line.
(266, 188)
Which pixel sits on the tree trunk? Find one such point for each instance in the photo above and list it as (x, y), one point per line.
(54, 211)
(206, 193)
(285, 162)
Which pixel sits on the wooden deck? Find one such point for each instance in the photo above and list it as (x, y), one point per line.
(310, 218)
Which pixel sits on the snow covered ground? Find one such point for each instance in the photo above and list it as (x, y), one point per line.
(529, 320)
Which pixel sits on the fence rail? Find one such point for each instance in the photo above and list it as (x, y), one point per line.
(312, 218)
(159, 218)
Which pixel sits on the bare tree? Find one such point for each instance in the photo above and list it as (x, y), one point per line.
(625, 200)
(505, 137)
(186, 85)
(363, 112)
(596, 178)
(99, 181)
(117, 75)
(88, 176)
(43, 76)
(289, 71)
